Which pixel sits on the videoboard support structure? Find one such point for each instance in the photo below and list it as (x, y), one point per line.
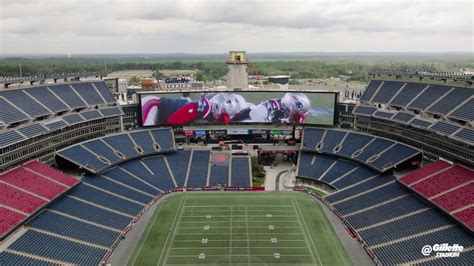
(238, 107)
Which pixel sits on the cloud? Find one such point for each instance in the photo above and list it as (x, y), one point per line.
(100, 26)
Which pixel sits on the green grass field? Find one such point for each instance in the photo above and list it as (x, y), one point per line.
(239, 228)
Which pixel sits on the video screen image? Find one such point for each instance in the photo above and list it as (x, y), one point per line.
(289, 107)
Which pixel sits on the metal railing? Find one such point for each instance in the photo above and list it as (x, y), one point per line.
(52, 76)
(423, 73)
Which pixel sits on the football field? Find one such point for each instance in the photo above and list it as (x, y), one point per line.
(239, 228)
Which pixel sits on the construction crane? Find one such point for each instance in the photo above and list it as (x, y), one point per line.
(154, 71)
(257, 76)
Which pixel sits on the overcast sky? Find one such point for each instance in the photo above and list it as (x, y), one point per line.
(216, 26)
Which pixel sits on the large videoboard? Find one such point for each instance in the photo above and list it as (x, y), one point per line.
(238, 107)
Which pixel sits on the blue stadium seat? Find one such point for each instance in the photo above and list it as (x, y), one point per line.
(25, 103)
(118, 174)
(144, 140)
(161, 173)
(240, 171)
(163, 137)
(8, 258)
(137, 168)
(410, 249)
(91, 115)
(311, 137)
(68, 96)
(361, 187)
(341, 168)
(90, 212)
(352, 143)
(10, 137)
(122, 143)
(375, 147)
(451, 101)
(403, 117)
(199, 169)
(368, 199)
(9, 114)
(313, 165)
(99, 147)
(105, 92)
(371, 90)
(387, 91)
(393, 156)
(465, 134)
(47, 98)
(465, 111)
(219, 175)
(444, 129)
(359, 174)
(81, 156)
(408, 93)
(65, 226)
(111, 112)
(33, 130)
(465, 258)
(410, 225)
(88, 93)
(116, 188)
(332, 139)
(56, 125)
(383, 115)
(418, 123)
(107, 200)
(178, 162)
(364, 110)
(385, 212)
(429, 96)
(73, 119)
(48, 246)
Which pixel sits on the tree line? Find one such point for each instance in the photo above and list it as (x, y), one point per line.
(353, 68)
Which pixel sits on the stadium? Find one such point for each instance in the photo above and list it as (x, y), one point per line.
(381, 179)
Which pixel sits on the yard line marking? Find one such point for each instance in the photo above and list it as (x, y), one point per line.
(255, 240)
(227, 221)
(251, 216)
(306, 229)
(199, 234)
(240, 227)
(174, 220)
(239, 255)
(174, 231)
(247, 234)
(251, 263)
(230, 206)
(230, 241)
(146, 236)
(193, 256)
(301, 225)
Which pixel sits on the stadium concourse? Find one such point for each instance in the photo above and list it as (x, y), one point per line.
(399, 179)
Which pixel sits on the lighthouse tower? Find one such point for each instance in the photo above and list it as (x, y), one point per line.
(237, 77)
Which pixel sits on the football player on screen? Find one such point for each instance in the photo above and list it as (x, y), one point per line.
(220, 107)
(293, 107)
